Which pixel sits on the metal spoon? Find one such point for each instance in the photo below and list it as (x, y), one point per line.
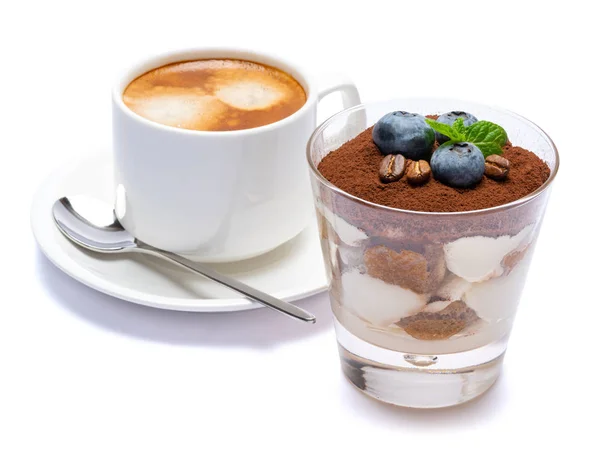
(91, 224)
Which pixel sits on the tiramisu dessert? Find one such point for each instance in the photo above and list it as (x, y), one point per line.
(426, 254)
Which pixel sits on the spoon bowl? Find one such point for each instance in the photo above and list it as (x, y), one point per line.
(90, 223)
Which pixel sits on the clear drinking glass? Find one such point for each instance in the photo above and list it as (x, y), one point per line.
(424, 302)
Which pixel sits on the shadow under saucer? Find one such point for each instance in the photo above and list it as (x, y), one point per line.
(259, 328)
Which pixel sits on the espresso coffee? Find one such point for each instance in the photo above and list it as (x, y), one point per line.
(215, 95)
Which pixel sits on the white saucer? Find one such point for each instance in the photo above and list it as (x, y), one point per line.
(290, 272)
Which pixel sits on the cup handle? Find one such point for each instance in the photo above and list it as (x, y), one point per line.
(339, 83)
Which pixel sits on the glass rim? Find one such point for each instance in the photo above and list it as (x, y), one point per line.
(525, 199)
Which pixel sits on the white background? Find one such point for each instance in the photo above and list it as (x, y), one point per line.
(82, 374)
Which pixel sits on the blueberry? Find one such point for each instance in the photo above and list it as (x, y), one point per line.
(458, 164)
(404, 133)
(449, 118)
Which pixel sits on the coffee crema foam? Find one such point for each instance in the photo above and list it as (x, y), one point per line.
(215, 95)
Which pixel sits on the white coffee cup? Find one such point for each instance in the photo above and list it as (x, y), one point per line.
(216, 196)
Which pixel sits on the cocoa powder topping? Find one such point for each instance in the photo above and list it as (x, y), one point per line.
(354, 168)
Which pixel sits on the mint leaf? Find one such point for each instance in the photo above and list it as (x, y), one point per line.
(459, 126)
(445, 130)
(489, 137)
(486, 132)
(489, 148)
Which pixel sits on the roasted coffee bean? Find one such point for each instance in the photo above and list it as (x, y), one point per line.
(392, 168)
(496, 167)
(418, 172)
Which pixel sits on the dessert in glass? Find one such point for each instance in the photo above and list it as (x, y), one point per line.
(429, 211)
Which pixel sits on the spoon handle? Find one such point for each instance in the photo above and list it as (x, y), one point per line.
(252, 293)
